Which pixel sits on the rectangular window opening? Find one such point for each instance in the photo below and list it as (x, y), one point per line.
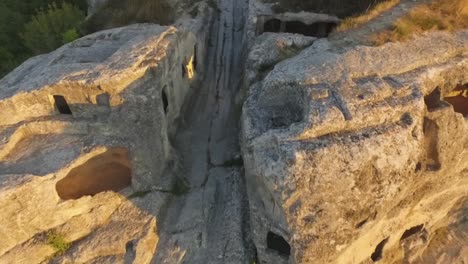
(62, 105)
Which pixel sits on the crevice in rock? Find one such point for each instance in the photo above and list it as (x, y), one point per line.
(412, 231)
(378, 252)
(430, 129)
(165, 100)
(362, 223)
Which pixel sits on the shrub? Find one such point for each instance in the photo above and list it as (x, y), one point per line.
(117, 13)
(70, 35)
(58, 242)
(14, 14)
(446, 15)
(48, 28)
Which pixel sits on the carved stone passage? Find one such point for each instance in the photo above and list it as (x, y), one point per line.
(109, 171)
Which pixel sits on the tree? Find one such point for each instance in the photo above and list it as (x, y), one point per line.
(51, 28)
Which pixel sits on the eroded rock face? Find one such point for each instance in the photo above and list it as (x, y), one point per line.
(86, 121)
(125, 86)
(351, 157)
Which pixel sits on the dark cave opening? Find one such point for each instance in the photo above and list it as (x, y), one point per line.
(61, 105)
(272, 25)
(278, 244)
(458, 98)
(318, 29)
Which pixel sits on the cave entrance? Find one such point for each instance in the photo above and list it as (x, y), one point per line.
(109, 171)
(318, 29)
(272, 25)
(459, 99)
(61, 105)
(278, 244)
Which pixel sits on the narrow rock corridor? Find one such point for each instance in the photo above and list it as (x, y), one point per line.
(209, 223)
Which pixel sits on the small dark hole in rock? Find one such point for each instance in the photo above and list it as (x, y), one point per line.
(195, 58)
(278, 244)
(62, 105)
(432, 100)
(407, 119)
(184, 71)
(377, 254)
(412, 231)
(418, 167)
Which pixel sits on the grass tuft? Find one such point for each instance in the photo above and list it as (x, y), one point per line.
(372, 13)
(58, 242)
(446, 15)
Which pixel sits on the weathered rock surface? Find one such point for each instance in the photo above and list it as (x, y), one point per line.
(110, 81)
(90, 118)
(353, 154)
(123, 147)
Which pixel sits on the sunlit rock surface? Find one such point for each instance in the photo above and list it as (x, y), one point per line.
(81, 123)
(359, 154)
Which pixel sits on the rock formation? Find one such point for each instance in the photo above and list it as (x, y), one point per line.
(84, 120)
(237, 135)
(358, 154)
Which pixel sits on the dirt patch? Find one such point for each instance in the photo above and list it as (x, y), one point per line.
(109, 171)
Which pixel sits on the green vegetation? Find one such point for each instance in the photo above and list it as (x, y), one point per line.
(58, 242)
(52, 28)
(448, 15)
(32, 27)
(117, 13)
